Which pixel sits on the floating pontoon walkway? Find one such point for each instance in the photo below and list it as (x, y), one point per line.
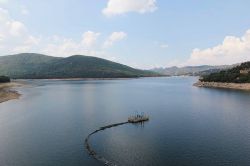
(132, 119)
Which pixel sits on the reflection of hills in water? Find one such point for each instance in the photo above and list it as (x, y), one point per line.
(188, 126)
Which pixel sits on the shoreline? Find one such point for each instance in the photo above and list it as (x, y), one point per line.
(7, 91)
(84, 79)
(74, 79)
(234, 86)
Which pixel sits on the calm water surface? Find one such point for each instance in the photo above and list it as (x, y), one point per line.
(188, 126)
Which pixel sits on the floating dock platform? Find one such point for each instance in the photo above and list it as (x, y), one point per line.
(138, 118)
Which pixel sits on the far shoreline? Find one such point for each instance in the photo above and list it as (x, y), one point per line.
(84, 79)
(221, 85)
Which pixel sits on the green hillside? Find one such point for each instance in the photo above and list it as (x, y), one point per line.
(238, 74)
(37, 66)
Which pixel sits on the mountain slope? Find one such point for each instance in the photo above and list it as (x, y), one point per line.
(238, 74)
(41, 66)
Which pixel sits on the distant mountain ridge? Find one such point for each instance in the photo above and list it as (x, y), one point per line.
(191, 70)
(39, 66)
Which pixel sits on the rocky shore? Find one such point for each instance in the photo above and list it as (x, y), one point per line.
(239, 86)
(7, 92)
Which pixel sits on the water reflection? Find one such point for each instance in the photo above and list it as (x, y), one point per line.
(188, 125)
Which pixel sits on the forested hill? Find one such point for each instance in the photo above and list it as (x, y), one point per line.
(238, 74)
(38, 66)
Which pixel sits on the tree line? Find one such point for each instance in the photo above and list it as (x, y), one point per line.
(4, 79)
(238, 74)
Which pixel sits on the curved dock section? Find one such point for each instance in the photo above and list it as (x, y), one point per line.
(92, 152)
(132, 119)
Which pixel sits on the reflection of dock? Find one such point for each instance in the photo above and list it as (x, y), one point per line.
(132, 119)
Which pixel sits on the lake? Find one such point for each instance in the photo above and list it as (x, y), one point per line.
(188, 125)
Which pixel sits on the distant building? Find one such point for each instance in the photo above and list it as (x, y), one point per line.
(245, 71)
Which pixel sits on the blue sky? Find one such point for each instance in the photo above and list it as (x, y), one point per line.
(140, 33)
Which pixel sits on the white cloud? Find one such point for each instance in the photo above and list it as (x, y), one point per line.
(89, 38)
(232, 50)
(114, 37)
(4, 15)
(16, 28)
(16, 38)
(3, 1)
(12, 33)
(60, 46)
(164, 46)
(24, 10)
(1, 37)
(118, 7)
